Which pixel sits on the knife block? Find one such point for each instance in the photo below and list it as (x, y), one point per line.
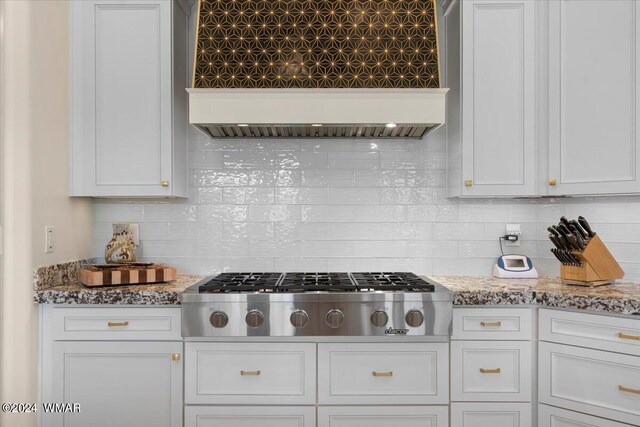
(598, 267)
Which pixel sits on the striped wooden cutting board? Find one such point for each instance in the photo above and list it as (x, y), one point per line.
(127, 275)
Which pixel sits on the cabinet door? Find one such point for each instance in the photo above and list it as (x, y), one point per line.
(384, 374)
(595, 382)
(121, 97)
(491, 371)
(118, 384)
(383, 416)
(250, 416)
(550, 416)
(593, 93)
(498, 101)
(491, 414)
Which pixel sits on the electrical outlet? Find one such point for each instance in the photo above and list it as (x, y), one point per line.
(49, 242)
(512, 230)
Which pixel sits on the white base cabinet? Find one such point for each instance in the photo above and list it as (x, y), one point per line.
(123, 365)
(250, 416)
(491, 415)
(551, 416)
(383, 416)
(118, 383)
(386, 374)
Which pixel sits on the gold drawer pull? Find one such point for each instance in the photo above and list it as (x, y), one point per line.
(629, 390)
(250, 373)
(489, 371)
(117, 324)
(382, 374)
(628, 337)
(487, 324)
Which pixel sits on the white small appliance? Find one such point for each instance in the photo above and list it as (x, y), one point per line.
(514, 267)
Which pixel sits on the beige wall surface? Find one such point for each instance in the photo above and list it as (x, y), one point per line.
(35, 115)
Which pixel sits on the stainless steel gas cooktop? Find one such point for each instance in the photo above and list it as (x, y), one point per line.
(367, 304)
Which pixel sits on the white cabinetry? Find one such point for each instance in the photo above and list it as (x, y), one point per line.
(550, 416)
(116, 381)
(603, 380)
(251, 416)
(128, 103)
(491, 367)
(490, 415)
(383, 416)
(594, 54)
(491, 108)
(402, 374)
(250, 373)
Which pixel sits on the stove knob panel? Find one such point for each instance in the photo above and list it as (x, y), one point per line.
(379, 318)
(414, 318)
(254, 318)
(334, 318)
(219, 319)
(299, 318)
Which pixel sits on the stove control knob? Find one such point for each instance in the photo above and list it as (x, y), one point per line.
(254, 318)
(219, 319)
(414, 318)
(334, 318)
(379, 318)
(299, 318)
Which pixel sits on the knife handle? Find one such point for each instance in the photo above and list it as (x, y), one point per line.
(577, 236)
(585, 224)
(553, 231)
(564, 220)
(579, 228)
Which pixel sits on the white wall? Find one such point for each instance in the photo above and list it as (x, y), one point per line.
(35, 117)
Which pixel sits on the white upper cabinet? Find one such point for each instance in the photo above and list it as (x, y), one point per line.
(593, 92)
(128, 100)
(491, 114)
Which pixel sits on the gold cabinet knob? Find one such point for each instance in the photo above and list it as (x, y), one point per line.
(164, 183)
(175, 357)
(552, 181)
(468, 183)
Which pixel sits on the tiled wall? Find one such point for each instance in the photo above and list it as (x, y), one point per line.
(344, 205)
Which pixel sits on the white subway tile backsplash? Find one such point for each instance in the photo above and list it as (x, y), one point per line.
(346, 205)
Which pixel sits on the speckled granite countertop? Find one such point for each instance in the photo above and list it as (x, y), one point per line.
(621, 298)
(155, 294)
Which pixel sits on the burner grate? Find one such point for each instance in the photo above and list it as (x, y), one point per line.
(242, 282)
(407, 282)
(316, 282)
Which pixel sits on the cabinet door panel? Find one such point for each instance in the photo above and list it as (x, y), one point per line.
(248, 416)
(498, 98)
(550, 416)
(491, 414)
(121, 97)
(591, 381)
(383, 416)
(116, 383)
(593, 47)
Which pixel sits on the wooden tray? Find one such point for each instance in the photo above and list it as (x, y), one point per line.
(126, 275)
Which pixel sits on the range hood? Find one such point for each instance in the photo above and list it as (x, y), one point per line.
(317, 69)
(316, 113)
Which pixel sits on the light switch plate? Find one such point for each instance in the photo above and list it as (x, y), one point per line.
(49, 242)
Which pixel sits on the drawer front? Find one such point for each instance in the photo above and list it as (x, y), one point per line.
(550, 416)
(250, 373)
(591, 381)
(386, 416)
(609, 333)
(492, 323)
(415, 373)
(491, 415)
(248, 416)
(491, 371)
(115, 323)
